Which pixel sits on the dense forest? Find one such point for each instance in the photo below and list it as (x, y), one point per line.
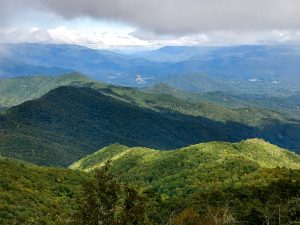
(69, 122)
(143, 172)
(149, 112)
(242, 187)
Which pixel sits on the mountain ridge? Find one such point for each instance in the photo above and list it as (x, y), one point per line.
(258, 150)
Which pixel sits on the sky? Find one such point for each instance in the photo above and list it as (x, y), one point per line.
(150, 23)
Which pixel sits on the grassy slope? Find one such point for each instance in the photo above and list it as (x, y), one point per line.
(196, 168)
(36, 195)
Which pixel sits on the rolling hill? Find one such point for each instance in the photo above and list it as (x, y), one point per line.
(14, 91)
(194, 157)
(240, 177)
(287, 104)
(249, 180)
(70, 122)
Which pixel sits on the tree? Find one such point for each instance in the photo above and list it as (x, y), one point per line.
(105, 201)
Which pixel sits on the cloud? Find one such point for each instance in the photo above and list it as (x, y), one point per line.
(64, 35)
(222, 37)
(174, 16)
(26, 35)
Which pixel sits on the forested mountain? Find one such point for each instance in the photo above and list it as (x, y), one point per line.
(195, 157)
(148, 112)
(103, 65)
(69, 122)
(250, 182)
(10, 67)
(14, 91)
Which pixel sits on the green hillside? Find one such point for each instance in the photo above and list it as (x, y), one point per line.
(251, 182)
(246, 177)
(18, 90)
(36, 195)
(195, 157)
(285, 104)
(71, 122)
(14, 91)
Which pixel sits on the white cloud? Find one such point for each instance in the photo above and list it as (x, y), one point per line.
(113, 39)
(64, 35)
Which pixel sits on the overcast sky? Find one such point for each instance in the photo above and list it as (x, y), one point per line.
(105, 23)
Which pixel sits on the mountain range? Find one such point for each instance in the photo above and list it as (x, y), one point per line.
(187, 135)
(68, 122)
(195, 69)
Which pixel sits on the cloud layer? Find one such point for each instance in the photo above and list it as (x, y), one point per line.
(172, 16)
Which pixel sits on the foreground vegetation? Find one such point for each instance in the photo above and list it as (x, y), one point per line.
(37, 195)
(251, 182)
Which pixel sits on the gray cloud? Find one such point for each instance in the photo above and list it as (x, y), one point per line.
(173, 16)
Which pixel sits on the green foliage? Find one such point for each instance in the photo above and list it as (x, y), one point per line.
(70, 122)
(250, 182)
(180, 173)
(276, 203)
(286, 104)
(245, 183)
(37, 195)
(187, 217)
(14, 91)
(105, 201)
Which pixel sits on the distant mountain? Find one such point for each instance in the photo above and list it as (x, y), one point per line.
(103, 65)
(249, 62)
(14, 68)
(254, 69)
(286, 104)
(175, 54)
(191, 68)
